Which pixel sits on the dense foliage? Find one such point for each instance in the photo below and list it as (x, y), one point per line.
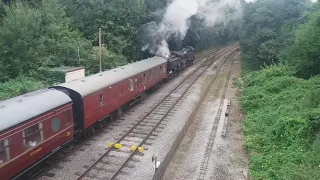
(267, 24)
(36, 35)
(304, 53)
(18, 86)
(281, 125)
(282, 110)
(32, 37)
(119, 21)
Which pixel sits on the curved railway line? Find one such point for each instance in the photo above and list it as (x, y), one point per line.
(210, 143)
(152, 120)
(146, 126)
(197, 152)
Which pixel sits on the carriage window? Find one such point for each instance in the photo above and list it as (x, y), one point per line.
(155, 73)
(164, 70)
(66, 117)
(32, 136)
(55, 124)
(4, 151)
(160, 70)
(131, 85)
(101, 99)
(150, 78)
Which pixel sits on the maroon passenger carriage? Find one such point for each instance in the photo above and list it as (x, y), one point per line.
(36, 125)
(100, 96)
(32, 127)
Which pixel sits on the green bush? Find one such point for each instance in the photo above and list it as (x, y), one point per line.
(48, 76)
(304, 53)
(282, 123)
(19, 86)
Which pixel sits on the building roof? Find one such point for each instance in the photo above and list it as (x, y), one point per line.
(96, 82)
(25, 107)
(66, 69)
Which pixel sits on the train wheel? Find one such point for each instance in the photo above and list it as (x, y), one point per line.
(119, 112)
(93, 130)
(100, 124)
(86, 134)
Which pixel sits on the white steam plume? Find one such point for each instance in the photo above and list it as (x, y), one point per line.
(176, 16)
(163, 48)
(214, 12)
(175, 22)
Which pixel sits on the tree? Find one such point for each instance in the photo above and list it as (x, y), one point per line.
(155, 5)
(304, 54)
(119, 21)
(20, 45)
(31, 38)
(260, 41)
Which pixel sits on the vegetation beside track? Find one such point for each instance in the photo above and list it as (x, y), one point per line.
(282, 123)
(281, 88)
(42, 34)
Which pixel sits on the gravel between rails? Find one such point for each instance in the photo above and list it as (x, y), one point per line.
(229, 159)
(72, 165)
(111, 164)
(143, 168)
(226, 157)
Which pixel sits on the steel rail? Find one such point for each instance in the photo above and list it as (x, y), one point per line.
(152, 110)
(145, 139)
(76, 146)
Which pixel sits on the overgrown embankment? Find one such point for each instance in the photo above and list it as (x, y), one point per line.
(18, 86)
(282, 123)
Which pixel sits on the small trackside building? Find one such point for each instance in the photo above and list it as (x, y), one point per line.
(95, 97)
(70, 73)
(32, 127)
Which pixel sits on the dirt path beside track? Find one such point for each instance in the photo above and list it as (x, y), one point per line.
(204, 153)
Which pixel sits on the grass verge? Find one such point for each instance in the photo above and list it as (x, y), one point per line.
(282, 123)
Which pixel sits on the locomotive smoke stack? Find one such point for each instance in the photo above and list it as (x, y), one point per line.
(163, 49)
(175, 22)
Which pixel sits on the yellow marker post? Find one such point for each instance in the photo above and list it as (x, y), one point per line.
(133, 148)
(118, 146)
(140, 149)
(110, 145)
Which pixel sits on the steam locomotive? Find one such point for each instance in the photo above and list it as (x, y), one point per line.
(34, 126)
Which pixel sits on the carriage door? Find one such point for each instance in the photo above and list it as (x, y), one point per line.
(136, 83)
(140, 86)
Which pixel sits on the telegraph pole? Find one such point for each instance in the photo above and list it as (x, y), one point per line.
(100, 49)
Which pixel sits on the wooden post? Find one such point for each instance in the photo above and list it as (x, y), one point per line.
(100, 49)
(78, 56)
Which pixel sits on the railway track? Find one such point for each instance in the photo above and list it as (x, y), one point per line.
(210, 143)
(143, 129)
(43, 168)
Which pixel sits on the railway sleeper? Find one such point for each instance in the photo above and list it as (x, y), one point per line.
(141, 132)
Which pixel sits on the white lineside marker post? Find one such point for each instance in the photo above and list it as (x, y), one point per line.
(156, 163)
(100, 49)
